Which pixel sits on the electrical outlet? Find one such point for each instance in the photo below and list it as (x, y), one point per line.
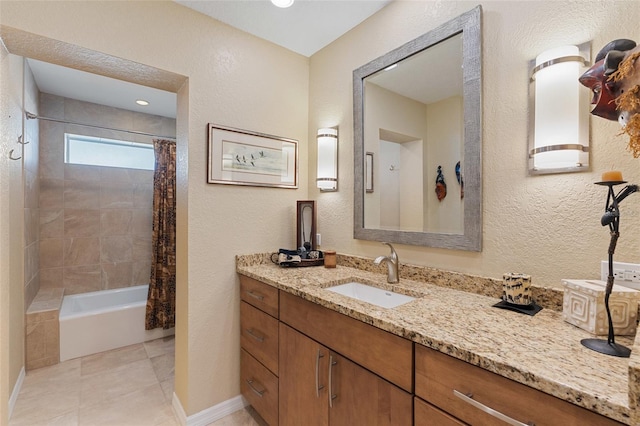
(318, 239)
(625, 274)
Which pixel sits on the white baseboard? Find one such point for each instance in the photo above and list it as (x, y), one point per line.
(208, 415)
(16, 391)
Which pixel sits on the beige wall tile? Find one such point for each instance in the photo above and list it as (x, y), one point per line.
(51, 252)
(51, 278)
(31, 189)
(143, 195)
(31, 225)
(81, 172)
(31, 261)
(116, 196)
(116, 249)
(51, 223)
(117, 275)
(141, 272)
(142, 222)
(51, 193)
(81, 194)
(81, 223)
(35, 349)
(81, 251)
(115, 221)
(81, 279)
(142, 248)
(30, 291)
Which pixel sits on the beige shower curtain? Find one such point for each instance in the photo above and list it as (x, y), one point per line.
(161, 300)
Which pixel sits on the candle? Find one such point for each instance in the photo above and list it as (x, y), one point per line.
(612, 176)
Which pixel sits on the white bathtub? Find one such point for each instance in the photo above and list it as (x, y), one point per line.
(104, 320)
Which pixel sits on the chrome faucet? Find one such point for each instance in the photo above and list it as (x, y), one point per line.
(392, 265)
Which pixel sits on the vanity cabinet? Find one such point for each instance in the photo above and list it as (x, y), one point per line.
(467, 393)
(259, 347)
(320, 387)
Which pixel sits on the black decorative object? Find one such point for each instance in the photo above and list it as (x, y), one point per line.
(530, 309)
(611, 218)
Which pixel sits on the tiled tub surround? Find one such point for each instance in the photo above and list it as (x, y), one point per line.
(543, 351)
(95, 222)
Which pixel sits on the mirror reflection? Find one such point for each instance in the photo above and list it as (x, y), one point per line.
(417, 143)
(413, 127)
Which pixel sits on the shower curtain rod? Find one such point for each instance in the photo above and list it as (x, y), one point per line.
(31, 116)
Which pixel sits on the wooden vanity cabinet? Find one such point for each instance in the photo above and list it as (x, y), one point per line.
(259, 347)
(438, 376)
(319, 387)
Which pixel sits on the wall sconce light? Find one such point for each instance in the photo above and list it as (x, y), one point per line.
(327, 173)
(559, 111)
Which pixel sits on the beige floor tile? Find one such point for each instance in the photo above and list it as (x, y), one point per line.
(145, 406)
(167, 388)
(165, 345)
(163, 366)
(239, 418)
(68, 419)
(102, 388)
(104, 361)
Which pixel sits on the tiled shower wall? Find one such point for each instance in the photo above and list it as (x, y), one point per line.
(95, 222)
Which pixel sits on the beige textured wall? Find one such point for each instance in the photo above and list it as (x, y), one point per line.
(11, 229)
(96, 222)
(236, 80)
(547, 226)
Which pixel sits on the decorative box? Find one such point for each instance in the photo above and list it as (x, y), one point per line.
(583, 306)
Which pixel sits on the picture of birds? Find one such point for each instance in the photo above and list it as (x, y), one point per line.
(252, 159)
(441, 186)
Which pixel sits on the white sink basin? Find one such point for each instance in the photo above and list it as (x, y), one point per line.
(373, 295)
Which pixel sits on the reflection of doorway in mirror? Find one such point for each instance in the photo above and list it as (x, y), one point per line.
(401, 184)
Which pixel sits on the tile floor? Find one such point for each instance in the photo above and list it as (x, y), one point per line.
(130, 386)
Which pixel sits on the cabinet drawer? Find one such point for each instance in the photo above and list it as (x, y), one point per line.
(259, 335)
(438, 375)
(386, 354)
(426, 414)
(260, 387)
(260, 295)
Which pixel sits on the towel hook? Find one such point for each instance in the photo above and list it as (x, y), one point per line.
(21, 142)
(11, 156)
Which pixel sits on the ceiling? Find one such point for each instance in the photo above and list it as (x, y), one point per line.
(305, 28)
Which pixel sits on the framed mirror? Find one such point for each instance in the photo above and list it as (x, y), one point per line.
(418, 140)
(306, 225)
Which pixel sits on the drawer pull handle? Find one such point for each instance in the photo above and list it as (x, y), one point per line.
(251, 333)
(253, 388)
(318, 386)
(468, 398)
(332, 396)
(255, 295)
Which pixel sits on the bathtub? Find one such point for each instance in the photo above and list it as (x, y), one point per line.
(103, 320)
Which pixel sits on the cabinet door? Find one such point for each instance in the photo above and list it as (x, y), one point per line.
(302, 377)
(359, 397)
(426, 414)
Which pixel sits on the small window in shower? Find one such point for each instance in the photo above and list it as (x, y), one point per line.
(94, 151)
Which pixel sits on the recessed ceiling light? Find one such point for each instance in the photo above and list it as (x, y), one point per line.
(282, 3)
(142, 102)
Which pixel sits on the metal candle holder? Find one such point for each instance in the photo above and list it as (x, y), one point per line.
(611, 218)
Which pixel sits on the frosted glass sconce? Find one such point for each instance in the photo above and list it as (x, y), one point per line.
(559, 111)
(327, 173)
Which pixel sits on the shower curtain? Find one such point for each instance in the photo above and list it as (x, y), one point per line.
(161, 300)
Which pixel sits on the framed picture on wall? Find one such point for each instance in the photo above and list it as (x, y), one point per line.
(368, 172)
(242, 157)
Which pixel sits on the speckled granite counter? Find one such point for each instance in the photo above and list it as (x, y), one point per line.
(541, 351)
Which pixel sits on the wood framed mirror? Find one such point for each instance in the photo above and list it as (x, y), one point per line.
(419, 107)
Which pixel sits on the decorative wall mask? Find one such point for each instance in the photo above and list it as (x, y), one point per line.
(614, 80)
(441, 186)
(460, 179)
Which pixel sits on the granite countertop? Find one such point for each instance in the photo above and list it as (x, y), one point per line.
(541, 351)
